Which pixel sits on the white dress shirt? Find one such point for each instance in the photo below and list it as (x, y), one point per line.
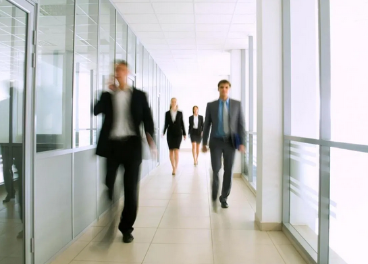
(123, 123)
(195, 122)
(173, 115)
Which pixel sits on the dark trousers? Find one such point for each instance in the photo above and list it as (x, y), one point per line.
(126, 152)
(222, 148)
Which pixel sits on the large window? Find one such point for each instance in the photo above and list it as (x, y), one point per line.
(85, 72)
(54, 75)
(349, 82)
(325, 124)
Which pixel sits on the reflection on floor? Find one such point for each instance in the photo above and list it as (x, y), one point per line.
(11, 247)
(176, 224)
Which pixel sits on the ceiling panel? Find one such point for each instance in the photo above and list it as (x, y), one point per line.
(246, 19)
(180, 35)
(135, 8)
(173, 8)
(215, 28)
(242, 27)
(191, 41)
(211, 35)
(214, 8)
(182, 47)
(176, 19)
(146, 27)
(177, 27)
(143, 18)
(245, 8)
(158, 47)
(213, 19)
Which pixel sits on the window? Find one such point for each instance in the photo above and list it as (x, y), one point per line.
(85, 72)
(54, 77)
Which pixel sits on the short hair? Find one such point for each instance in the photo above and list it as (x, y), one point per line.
(194, 107)
(223, 82)
(122, 62)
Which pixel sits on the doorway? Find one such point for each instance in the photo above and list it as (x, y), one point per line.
(16, 93)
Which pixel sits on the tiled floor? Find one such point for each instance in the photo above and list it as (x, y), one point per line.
(176, 224)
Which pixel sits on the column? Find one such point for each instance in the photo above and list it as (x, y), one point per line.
(269, 109)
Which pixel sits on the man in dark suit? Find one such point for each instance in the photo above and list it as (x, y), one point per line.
(120, 142)
(226, 118)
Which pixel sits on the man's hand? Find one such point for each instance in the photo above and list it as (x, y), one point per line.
(204, 149)
(185, 137)
(242, 149)
(152, 145)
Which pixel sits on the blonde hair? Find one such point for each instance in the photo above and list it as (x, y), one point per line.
(176, 104)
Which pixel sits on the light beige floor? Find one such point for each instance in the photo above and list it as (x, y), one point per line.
(176, 224)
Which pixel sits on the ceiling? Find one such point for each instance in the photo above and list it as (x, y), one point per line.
(191, 36)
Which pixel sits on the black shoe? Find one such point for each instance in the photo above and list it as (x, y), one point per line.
(8, 198)
(223, 203)
(128, 238)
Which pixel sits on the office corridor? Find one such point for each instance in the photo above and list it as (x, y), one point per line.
(176, 224)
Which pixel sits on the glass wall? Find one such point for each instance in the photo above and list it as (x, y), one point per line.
(121, 39)
(74, 65)
(326, 146)
(54, 77)
(85, 70)
(131, 50)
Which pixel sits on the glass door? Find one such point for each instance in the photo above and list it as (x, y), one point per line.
(16, 75)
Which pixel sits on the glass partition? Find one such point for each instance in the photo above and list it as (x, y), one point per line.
(139, 66)
(85, 72)
(54, 77)
(131, 50)
(121, 39)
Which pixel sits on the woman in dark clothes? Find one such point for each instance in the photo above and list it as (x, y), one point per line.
(195, 132)
(174, 125)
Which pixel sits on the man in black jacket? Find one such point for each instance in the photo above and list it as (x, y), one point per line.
(120, 142)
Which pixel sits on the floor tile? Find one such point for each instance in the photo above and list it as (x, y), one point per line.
(234, 236)
(115, 252)
(70, 253)
(90, 233)
(180, 253)
(179, 236)
(279, 238)
(229, 253)
(113, 235)
(290, 254)
(185, 222)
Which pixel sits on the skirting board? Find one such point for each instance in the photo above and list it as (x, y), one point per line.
(268, 226)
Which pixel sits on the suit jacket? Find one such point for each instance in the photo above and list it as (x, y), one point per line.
(191, 124)
(140, 113)
(176, 128)
(236, 120)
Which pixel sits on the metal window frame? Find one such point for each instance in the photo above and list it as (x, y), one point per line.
(324, 142)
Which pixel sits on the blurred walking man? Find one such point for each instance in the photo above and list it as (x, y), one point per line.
(226, 120)
(124, 109)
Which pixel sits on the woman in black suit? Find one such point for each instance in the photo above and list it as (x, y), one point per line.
(174, 124)
(195, 132)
